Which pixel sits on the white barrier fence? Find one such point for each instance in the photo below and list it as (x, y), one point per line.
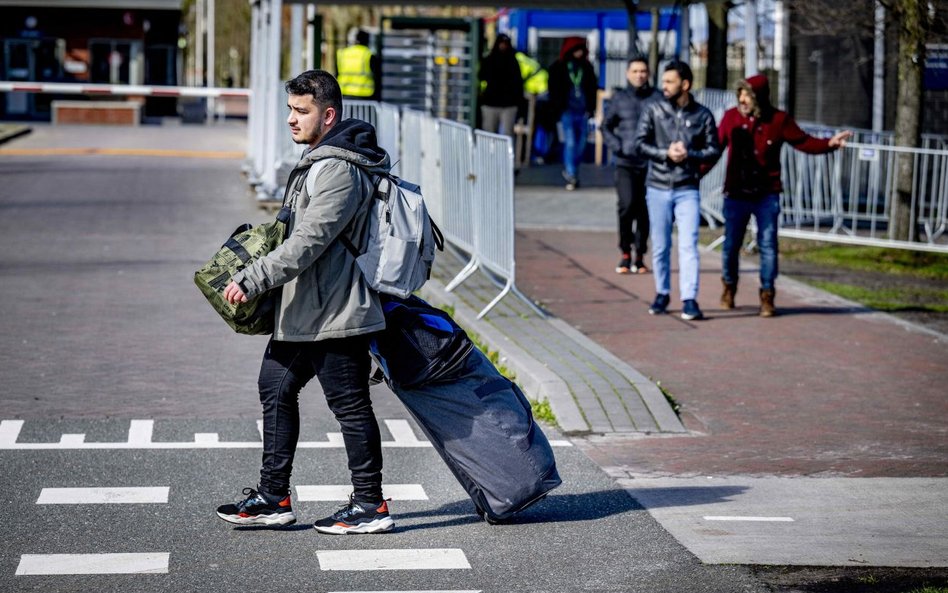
(848, 195)
(72, 88)
(457, 203)
(467, 180)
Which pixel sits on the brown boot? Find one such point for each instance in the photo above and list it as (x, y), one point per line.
(767, 303)
(727, 297)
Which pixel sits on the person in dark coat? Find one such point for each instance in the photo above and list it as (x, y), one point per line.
(573, 89)
(618, 130)
(754, 133)
(503, 87)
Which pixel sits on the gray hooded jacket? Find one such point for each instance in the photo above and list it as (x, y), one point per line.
(324, 294)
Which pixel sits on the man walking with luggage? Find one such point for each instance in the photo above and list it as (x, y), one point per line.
(754, 133)
(618, 129)
(325, 312)
(678, 136)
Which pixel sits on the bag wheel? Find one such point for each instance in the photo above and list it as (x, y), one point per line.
(486, 517)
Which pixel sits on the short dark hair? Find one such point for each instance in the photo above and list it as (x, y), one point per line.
(362, 37)
(637, 58)
(683, 70)
(321, 85)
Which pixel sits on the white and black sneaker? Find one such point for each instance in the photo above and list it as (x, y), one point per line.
(258, 509)
(357, 517)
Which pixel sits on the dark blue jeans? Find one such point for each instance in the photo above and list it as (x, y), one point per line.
(737, 214)
(342, 367)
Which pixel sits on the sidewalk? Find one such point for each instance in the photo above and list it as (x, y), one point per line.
(826, 389)
(9, 131)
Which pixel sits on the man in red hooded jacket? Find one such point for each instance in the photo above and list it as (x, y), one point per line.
(754, 133)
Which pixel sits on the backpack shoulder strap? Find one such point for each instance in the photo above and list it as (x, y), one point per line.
(343, 238)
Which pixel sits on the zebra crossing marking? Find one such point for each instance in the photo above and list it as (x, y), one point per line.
(746, 518)
(393, 559)
(340, 492)
(140, 431)
(140, 436)
(140, 495)
(69, 564)
(9, 431)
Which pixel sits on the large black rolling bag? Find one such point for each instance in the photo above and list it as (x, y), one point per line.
(478, 421)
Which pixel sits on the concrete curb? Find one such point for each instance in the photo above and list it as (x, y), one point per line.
(535, 378)
(658, 406)
(9, 132)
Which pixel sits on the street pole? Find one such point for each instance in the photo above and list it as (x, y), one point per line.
(199, 44)
(632, 8)
(781, 51)
(309, 61)
(296, 39)
(211, 37)
(684, 35)
(653, 48)
(878, 71)
(750, 38)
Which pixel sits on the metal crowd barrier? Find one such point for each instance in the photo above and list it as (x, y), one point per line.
(711, 189)
(494, 212)
(847, 196)
(428, 143)
(864, 136)
(457, 218)
(410, 165)
(467, 179)
(387, 129)
(717, 100)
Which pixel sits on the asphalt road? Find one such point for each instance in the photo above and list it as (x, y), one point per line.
(102, 326)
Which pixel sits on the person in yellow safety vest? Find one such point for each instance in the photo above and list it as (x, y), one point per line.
(357, 69)
(535, 78)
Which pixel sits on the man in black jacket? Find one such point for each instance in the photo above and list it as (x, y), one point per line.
(618, 129)
(678, 136)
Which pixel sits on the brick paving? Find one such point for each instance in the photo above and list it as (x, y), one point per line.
(825, 388)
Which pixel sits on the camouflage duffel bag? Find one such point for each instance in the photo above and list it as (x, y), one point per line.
(245, 245)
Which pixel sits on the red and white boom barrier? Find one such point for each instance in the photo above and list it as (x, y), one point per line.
(69, 88)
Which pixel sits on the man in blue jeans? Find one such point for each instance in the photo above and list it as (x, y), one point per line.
(679, 138)
(754, 133)
(325, 313)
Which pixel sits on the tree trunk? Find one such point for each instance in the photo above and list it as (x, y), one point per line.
(717, 44)
(911, 57)
(632, 9)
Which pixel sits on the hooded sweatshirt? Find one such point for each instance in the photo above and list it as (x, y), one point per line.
(565, 92)
(754, 143)
(324, 294)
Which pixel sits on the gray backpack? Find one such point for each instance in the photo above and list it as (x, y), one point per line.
(402, 239)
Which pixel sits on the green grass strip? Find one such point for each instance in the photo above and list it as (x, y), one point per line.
(890, 299)
(918, 264)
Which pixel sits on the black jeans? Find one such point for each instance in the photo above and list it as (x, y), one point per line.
(633, 211)
(342, 367)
